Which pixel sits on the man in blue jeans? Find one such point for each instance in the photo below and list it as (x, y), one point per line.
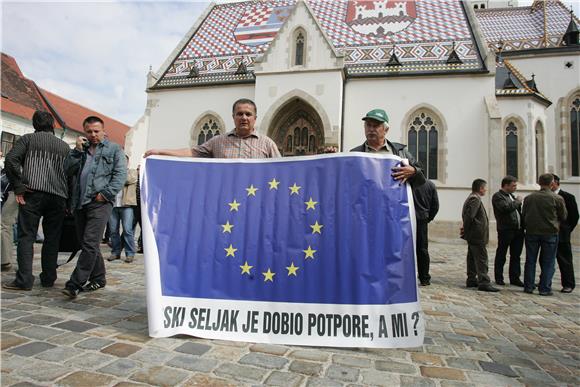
(100, 171)
(542, 213)
(122, 214)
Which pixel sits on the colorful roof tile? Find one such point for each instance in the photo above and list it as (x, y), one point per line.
(541, 25)
(422, 33)
(510, 82)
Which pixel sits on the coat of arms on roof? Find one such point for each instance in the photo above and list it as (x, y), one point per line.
(261, 22)
(380, 17)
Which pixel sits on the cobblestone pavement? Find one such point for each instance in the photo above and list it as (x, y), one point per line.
(472, 338)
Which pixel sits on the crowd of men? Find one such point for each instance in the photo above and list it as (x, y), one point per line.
(92, 182)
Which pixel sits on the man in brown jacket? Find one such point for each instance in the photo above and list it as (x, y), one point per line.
(542, 211)
(475, 231)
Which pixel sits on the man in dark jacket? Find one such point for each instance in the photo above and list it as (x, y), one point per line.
(507, 209)
(376, 128)
(35, 168)
(475, 231)
(99, 168)
(426, 207)
(564, 252)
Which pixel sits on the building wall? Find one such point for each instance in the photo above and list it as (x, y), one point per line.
(19, 127)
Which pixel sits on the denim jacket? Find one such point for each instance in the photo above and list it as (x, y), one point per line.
(107, 175)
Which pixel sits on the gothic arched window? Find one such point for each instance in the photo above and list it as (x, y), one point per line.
(299, 50)
(575, 136)
(511, 149)
(423, 142)
(207, 128)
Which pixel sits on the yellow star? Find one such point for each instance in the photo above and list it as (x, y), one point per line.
(316, 228)
(274, 183)
(246, 268)
(268, 276)
(294, 189)
(234, 205)
(292, 270)
(309, 253)
(310, 204)
(251, 190)
(228, 227)
(230, 251)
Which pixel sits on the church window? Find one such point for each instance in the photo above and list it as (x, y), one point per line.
(511, 145)
(299, 57)
(296, 136)
(304, 136)
(311, 144)
(207, 128)
(8, 141)
(482, 6)
(289, 144)
(476, 6)
(423, 142)
(575, 136)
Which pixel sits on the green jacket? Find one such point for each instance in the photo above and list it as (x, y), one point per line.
(542, 212)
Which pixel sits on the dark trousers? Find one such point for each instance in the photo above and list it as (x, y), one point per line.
(51, 209)
(90, 221)
(477, 264)
(423, 259)
(566, 264)
(514, 240)
(137, 221)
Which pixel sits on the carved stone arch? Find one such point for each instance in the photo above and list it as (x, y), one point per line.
(201, 120)
(269, 121)
(522, 129)
(442, 137)
(564, 125)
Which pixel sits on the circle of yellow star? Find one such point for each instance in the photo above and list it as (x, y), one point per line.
(310, 204)
(269, 276)
(230, 251)
(294, 189)
(234, 205)
(292, 270)
(274, 183)
(309, 253)
(251, 190)
(228, 227)
(316, 228)
(246, 268)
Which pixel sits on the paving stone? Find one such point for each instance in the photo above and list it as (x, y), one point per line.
(85, 378)
(322, 382)
(193, 348)
(263, 360)
(498, 368)
(513, 361)
(278, 378)
(59, 354)
(75, 326)
(270, 349)
(151, 355)
(462, 338)
(414, 381)
(351, 361)
(379, 378)
(309, 355)
(225, 353)
(159, 376)
(38, 332)
(206, 380)
(121, 367)
(488, 379)
(67, 338)
(89, 360)
(465, 364)
(455, 383)
(396, 367)
(535, 375)
(346, 374)
(94, 343)
(427, 359)
(40, 319)
(8, 341)
(43, 371)
(128, 384)
(31, 349)
(193, 363)
(306, 367)
(240, 372)
(120, 349)
(442, 373)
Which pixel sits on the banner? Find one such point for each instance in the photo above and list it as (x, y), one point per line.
(306, 250)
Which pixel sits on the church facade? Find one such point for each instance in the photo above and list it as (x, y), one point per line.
(474, 94)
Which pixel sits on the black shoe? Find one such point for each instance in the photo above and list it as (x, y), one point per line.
(487, 288)
(529, 291)
(471, 284)
(548, 293)
(517, 282)
(140, 250)
(425, 283)
(500, 282)
(47, 284)
(14, 286)
(6, 266)
(92, 286)
(566, 290)
(70, 293)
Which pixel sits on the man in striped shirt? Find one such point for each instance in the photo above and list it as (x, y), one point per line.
(242, 142)
(35, 168)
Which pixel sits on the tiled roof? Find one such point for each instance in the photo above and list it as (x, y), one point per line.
(421, 33)
(21, 97)
(524, 28)
(509, 81)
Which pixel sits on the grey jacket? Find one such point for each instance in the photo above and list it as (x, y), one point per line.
(107, 176)
(543, 211)
(506, 211)
(475, 221)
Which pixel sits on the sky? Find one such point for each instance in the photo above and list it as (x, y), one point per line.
(98, 53)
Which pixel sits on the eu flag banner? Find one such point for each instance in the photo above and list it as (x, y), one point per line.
(306, 250)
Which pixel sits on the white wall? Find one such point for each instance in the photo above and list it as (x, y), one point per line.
(19, 127)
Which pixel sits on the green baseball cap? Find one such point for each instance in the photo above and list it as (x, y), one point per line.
(378, 115)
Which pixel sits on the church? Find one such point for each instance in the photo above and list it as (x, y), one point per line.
(474, 93)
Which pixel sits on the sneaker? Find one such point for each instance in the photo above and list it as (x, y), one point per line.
(92, 286)
(6, 266)
(14, 286)
(113, 258)
(129, 259)
(70, 293)
(566, 290)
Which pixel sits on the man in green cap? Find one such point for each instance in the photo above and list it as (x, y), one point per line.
(376, 128)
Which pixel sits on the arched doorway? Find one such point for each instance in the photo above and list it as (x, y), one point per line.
(297, 129)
